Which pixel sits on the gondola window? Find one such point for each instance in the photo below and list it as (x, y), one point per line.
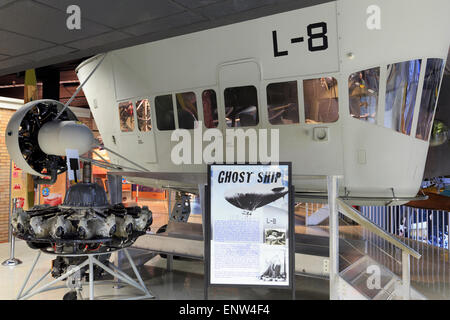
(282, 103)
(241, 106)
(126, 116)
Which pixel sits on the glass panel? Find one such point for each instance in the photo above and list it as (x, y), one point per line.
(401, 91)
(126, 115)
(241, 106)
(433, 74)
(321, 100)
(363, 88)
(187, 110)
(143, 115)
(165, 118)
(210, 113)
(282, 102)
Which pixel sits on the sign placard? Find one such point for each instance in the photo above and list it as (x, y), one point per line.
(249, 225)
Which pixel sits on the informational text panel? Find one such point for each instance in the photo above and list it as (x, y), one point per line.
(249, 225)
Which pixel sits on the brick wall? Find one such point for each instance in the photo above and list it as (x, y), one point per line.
(5, 115)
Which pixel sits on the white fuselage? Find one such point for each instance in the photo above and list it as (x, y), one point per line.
(372, 158)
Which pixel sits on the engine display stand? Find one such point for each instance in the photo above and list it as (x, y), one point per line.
(90, 261)
(12, 261)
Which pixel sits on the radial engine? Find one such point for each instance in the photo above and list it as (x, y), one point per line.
(37, 137)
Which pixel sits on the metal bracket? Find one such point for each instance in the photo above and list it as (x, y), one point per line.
(90, 262)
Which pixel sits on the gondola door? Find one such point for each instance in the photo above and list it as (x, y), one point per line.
(240, 107)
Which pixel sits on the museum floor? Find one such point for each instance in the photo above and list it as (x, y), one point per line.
(431, 276)
(184, 282)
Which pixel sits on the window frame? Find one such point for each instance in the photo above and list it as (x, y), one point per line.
(335, 76)
(174, 98)
(416, 107)
(414, 130)
(265, 84)
(151, 115)
(258, 107)
(264, 115)
(201, 111)
(379, 117)
(134, 116)
(175, 116)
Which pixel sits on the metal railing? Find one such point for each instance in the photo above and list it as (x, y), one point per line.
(426, 226)
(355, 215)
(337, 209)
(424, 231)
(427, 232)
(370, 226)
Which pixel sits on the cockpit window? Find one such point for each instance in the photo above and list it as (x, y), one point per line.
(433, 74)
(165, 118)
(126, 115)
(187, 110)
(363, 88)
(210, 114)
(321, 100)
(143, 115)
(282, 102)
(241, 106)
(401, 91)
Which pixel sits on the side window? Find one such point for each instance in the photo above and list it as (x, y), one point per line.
(126, 115)
(321, 100)
(187, 110)
(282, 102)
(241, 106)
(363, 88)
(401, 91)
(210, 114)
(433, 74)
(143, 115)
(165, 118)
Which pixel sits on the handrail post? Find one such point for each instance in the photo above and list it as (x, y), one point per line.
(332, 184)
(406, 275)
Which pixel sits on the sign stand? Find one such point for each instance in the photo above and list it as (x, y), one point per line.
(230, 204)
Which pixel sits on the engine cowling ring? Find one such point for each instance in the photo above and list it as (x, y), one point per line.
(21, 137)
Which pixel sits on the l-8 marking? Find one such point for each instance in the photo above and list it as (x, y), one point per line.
(311, 36)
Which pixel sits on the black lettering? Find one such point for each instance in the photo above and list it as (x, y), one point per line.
(277, 176)
(220, 177)
(277, 53)
(297, 40)
(320, 35)
(260, 177)
(227, 176)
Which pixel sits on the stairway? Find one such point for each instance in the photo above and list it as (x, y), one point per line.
(356, 282)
